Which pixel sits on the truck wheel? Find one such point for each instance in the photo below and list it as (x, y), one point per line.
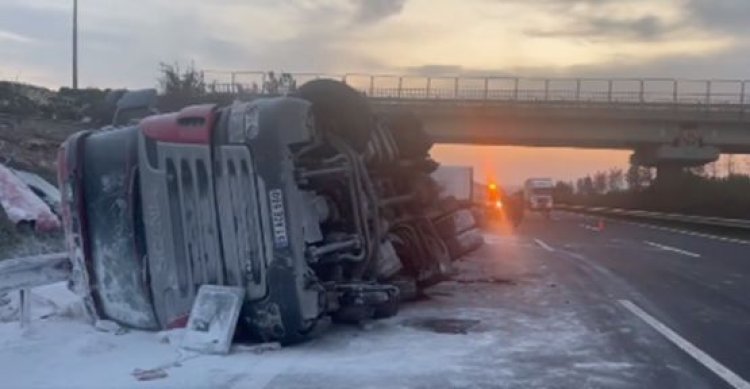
(340, 110)
(388, 309)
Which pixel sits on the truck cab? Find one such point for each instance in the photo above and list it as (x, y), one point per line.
(311, 205)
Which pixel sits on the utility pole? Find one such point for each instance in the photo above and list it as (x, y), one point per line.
(75, 44)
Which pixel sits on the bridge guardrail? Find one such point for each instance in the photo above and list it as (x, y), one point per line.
(24, 273)
(740, 224)
(707, 92)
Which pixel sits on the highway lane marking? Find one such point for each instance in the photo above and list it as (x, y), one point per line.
(691, 233)
(672, 249)
(675, 230)
(590, 228)
(544, 245)
(706, 360)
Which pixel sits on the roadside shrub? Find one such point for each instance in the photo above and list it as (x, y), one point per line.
(689, 194)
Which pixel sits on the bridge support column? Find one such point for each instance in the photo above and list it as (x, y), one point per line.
(670, 161)
(679, 156)
(667, 176)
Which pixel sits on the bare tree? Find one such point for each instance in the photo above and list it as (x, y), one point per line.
(713, 169)
(730, 164)
(615, 179)
(638, 177)
(600, 182)
(585, 186)
(563, 191)
(631, 177)
(175, 82)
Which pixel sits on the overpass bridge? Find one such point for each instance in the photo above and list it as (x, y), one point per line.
(668, 123)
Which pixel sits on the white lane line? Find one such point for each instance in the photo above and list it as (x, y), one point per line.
(672, 249)
(706, 360)
(544, 245)
(590, 228)
(691, 233)
(676, 230)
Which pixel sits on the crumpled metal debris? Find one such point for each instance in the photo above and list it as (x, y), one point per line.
(21, 204)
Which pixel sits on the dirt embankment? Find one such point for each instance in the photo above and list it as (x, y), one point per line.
(32, 145)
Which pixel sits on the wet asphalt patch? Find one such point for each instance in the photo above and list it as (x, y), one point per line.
(442, 325)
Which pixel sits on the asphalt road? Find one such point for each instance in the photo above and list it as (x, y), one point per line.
(561, 303)
(686, 295)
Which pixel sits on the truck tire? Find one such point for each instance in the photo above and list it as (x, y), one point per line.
(387, 310)
(339, 110)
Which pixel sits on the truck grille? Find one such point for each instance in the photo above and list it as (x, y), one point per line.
(179, 215)
(193, 216)
(241, 230)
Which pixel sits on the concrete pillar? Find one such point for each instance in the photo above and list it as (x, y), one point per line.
(671, 157)
(668, 176)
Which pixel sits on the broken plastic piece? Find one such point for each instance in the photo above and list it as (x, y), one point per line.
(149, 374)
(213, 319)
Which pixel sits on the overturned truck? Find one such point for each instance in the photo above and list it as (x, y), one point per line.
(313, 205)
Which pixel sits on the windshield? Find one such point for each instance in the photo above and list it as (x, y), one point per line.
(542, 191)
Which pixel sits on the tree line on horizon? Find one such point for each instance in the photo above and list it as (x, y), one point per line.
(702, 190)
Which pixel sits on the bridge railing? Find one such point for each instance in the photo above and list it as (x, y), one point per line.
(522, 89)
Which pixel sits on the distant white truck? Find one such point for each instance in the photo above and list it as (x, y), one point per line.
(537, 194)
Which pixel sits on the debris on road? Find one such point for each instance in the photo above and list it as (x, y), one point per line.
(213, 319)
(42, 188)
(149, 375)
(110, 327)
(443, 325)
(260, 348)
(484, 335)
(22, 205)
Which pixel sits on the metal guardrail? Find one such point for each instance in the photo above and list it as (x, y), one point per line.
(25, 273)
(742, 224)
(715, 92)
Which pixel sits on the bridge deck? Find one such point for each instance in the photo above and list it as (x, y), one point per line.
(559, 112)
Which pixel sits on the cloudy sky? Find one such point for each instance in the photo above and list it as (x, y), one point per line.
(123, 41)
